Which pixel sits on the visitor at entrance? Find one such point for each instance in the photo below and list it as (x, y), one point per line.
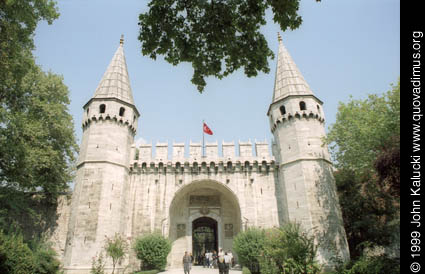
(227, 262)
(187, 263)
(232, 259)
(205, 260)
(208, 257)
(221, 264)
(214, 257)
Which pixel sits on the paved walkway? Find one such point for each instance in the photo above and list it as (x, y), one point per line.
(199, 270)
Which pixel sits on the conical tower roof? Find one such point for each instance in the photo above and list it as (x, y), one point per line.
(288, 80)
(115, 82)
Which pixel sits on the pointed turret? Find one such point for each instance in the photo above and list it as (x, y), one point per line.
(115, 82)
(288, 79)
(98, 201)
(306, 184)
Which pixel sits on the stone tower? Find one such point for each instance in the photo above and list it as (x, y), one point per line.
(305, 187)
(101, 186)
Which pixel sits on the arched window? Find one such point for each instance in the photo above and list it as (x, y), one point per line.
(102, 108)
(302, 106)
(282, 110)
(318, 108)
(122, 110)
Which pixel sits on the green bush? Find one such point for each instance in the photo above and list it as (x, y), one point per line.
(16, 257)
(249, 245)
(45, 258)
(370, 265)
(154, 271)
(152, 250)
(289, 249)
(245, 270)
(98, 264)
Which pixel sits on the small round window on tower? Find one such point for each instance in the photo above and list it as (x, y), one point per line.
(102, 108)
(122, 110)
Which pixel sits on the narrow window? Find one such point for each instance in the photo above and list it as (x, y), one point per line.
(282, 110)
(102, 108)
(122, 110)
(88, 111)
(318, 108)
(302, 106)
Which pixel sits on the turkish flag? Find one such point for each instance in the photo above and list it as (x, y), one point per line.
(207, 130)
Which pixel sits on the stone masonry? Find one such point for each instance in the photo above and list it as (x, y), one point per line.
(126, 189)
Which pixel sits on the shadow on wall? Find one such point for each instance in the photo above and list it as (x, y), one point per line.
(331, 235)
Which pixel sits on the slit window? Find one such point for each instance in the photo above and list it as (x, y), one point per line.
(282, 110)
(122, 111)
(102, 108)
(302, 106)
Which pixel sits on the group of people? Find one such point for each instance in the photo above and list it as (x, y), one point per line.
(221, 260)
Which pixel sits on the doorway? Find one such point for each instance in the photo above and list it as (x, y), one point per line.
(204, 237)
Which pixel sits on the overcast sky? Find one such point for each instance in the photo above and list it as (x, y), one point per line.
(343, 48)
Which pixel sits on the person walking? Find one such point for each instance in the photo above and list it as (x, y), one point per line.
(232, 264)
(208, 257)
(227, 263)
(205, 259)
(221, 265)
(187, 263)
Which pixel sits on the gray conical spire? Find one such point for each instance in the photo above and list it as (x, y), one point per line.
(115, 82)
(288, 79)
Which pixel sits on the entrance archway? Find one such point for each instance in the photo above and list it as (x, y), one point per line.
(203, 203)
(204, 237)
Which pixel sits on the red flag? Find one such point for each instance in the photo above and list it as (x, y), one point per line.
(207, 130)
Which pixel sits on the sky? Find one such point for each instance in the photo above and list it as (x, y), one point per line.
(343, 48)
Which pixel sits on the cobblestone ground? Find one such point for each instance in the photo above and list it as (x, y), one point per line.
(199, 270)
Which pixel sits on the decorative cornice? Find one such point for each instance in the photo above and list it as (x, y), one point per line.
(297, 115)
(97, 118)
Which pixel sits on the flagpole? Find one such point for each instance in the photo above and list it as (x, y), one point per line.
(203, 139)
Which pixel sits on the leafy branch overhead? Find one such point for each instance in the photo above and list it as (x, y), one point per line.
(216, 36)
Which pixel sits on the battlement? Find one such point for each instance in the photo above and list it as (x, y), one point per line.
(142, 156)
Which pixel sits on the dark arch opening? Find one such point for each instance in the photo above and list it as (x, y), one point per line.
(282, 110)
(303, 106)
(122, 111)
(204, 237)
(102, 108)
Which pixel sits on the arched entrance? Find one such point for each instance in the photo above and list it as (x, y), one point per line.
(204, 237)
(202, 215)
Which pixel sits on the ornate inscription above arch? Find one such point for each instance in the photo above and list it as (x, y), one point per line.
(204, 200)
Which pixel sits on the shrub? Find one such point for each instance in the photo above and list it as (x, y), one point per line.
(152, 250)
(289, 249)
(45, 258)
(154, 271)
(16, 256)
(98, 264)
(249, 245)
(370, 265)
(245, 270)
(116, 248)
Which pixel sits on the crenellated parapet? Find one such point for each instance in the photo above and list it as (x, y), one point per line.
(280, 119)
(95, 118)
(251, 158)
